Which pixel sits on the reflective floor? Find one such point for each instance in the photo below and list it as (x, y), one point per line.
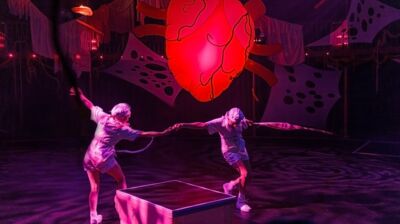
(291, 183)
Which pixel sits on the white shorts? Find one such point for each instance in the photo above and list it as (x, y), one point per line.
(102, 167)
(234, 157)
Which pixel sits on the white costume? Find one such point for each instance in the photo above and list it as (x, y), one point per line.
(233, 146)
(100, 155)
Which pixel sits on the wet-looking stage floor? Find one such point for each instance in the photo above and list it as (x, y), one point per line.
(318, 183)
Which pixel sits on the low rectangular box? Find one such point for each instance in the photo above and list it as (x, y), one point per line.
(174, 202)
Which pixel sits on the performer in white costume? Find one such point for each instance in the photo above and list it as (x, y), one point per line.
(233, 147)
(100, 156)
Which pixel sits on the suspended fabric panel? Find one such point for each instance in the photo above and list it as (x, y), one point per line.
(141, 66)
(160, 4)
(365, 19)
(19, 8)
(121, 16)
(303, 95)
(75, 39)
(289, 35)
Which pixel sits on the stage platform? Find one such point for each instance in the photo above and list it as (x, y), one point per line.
(174, 202)
(291, 183)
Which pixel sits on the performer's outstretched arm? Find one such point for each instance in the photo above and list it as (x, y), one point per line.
(155, 133)
(84, 99)
(194, 125)
(284, 126)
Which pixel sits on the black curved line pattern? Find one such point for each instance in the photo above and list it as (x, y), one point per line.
(194, 22)
(220, 67)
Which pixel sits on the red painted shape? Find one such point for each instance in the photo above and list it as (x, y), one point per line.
(207, 44)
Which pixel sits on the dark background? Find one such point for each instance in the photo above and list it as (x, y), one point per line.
(34, 101)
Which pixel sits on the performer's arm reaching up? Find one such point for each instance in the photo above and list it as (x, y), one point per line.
(84, 99)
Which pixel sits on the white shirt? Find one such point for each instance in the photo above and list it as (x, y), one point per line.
(231, 138)
(108, 133)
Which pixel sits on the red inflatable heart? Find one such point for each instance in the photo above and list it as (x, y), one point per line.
(207, 44)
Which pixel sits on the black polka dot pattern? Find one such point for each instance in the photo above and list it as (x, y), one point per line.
(364, 25)
(292, 78)
(152, 74)
(145, 74)
(310, 84)
(155, 67)
(134, 54)
(313, 99)
(371, 11)
(353, 32)
(363, 17)
(288, 100)
(160, 76)
(168, 90)
(301, 95)
(310, 110)
(142, 67)
(365, 20)
(144, 81)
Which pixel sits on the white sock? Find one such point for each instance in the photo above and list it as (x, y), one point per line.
(241, 196)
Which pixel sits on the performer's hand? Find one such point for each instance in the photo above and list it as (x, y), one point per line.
(72, 91)
(249, 122)
(168, 130)
(177, 126)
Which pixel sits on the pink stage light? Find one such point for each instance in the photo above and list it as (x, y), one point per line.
(2, 40)
(83, 10)
(93, 45)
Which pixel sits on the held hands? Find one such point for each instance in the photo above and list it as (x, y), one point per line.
(172, 128)
(177, 126)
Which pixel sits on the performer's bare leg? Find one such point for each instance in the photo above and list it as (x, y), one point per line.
(118, 175)
(243, 167)
(94, 179)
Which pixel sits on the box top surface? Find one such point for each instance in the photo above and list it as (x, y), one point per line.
(180, 196)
